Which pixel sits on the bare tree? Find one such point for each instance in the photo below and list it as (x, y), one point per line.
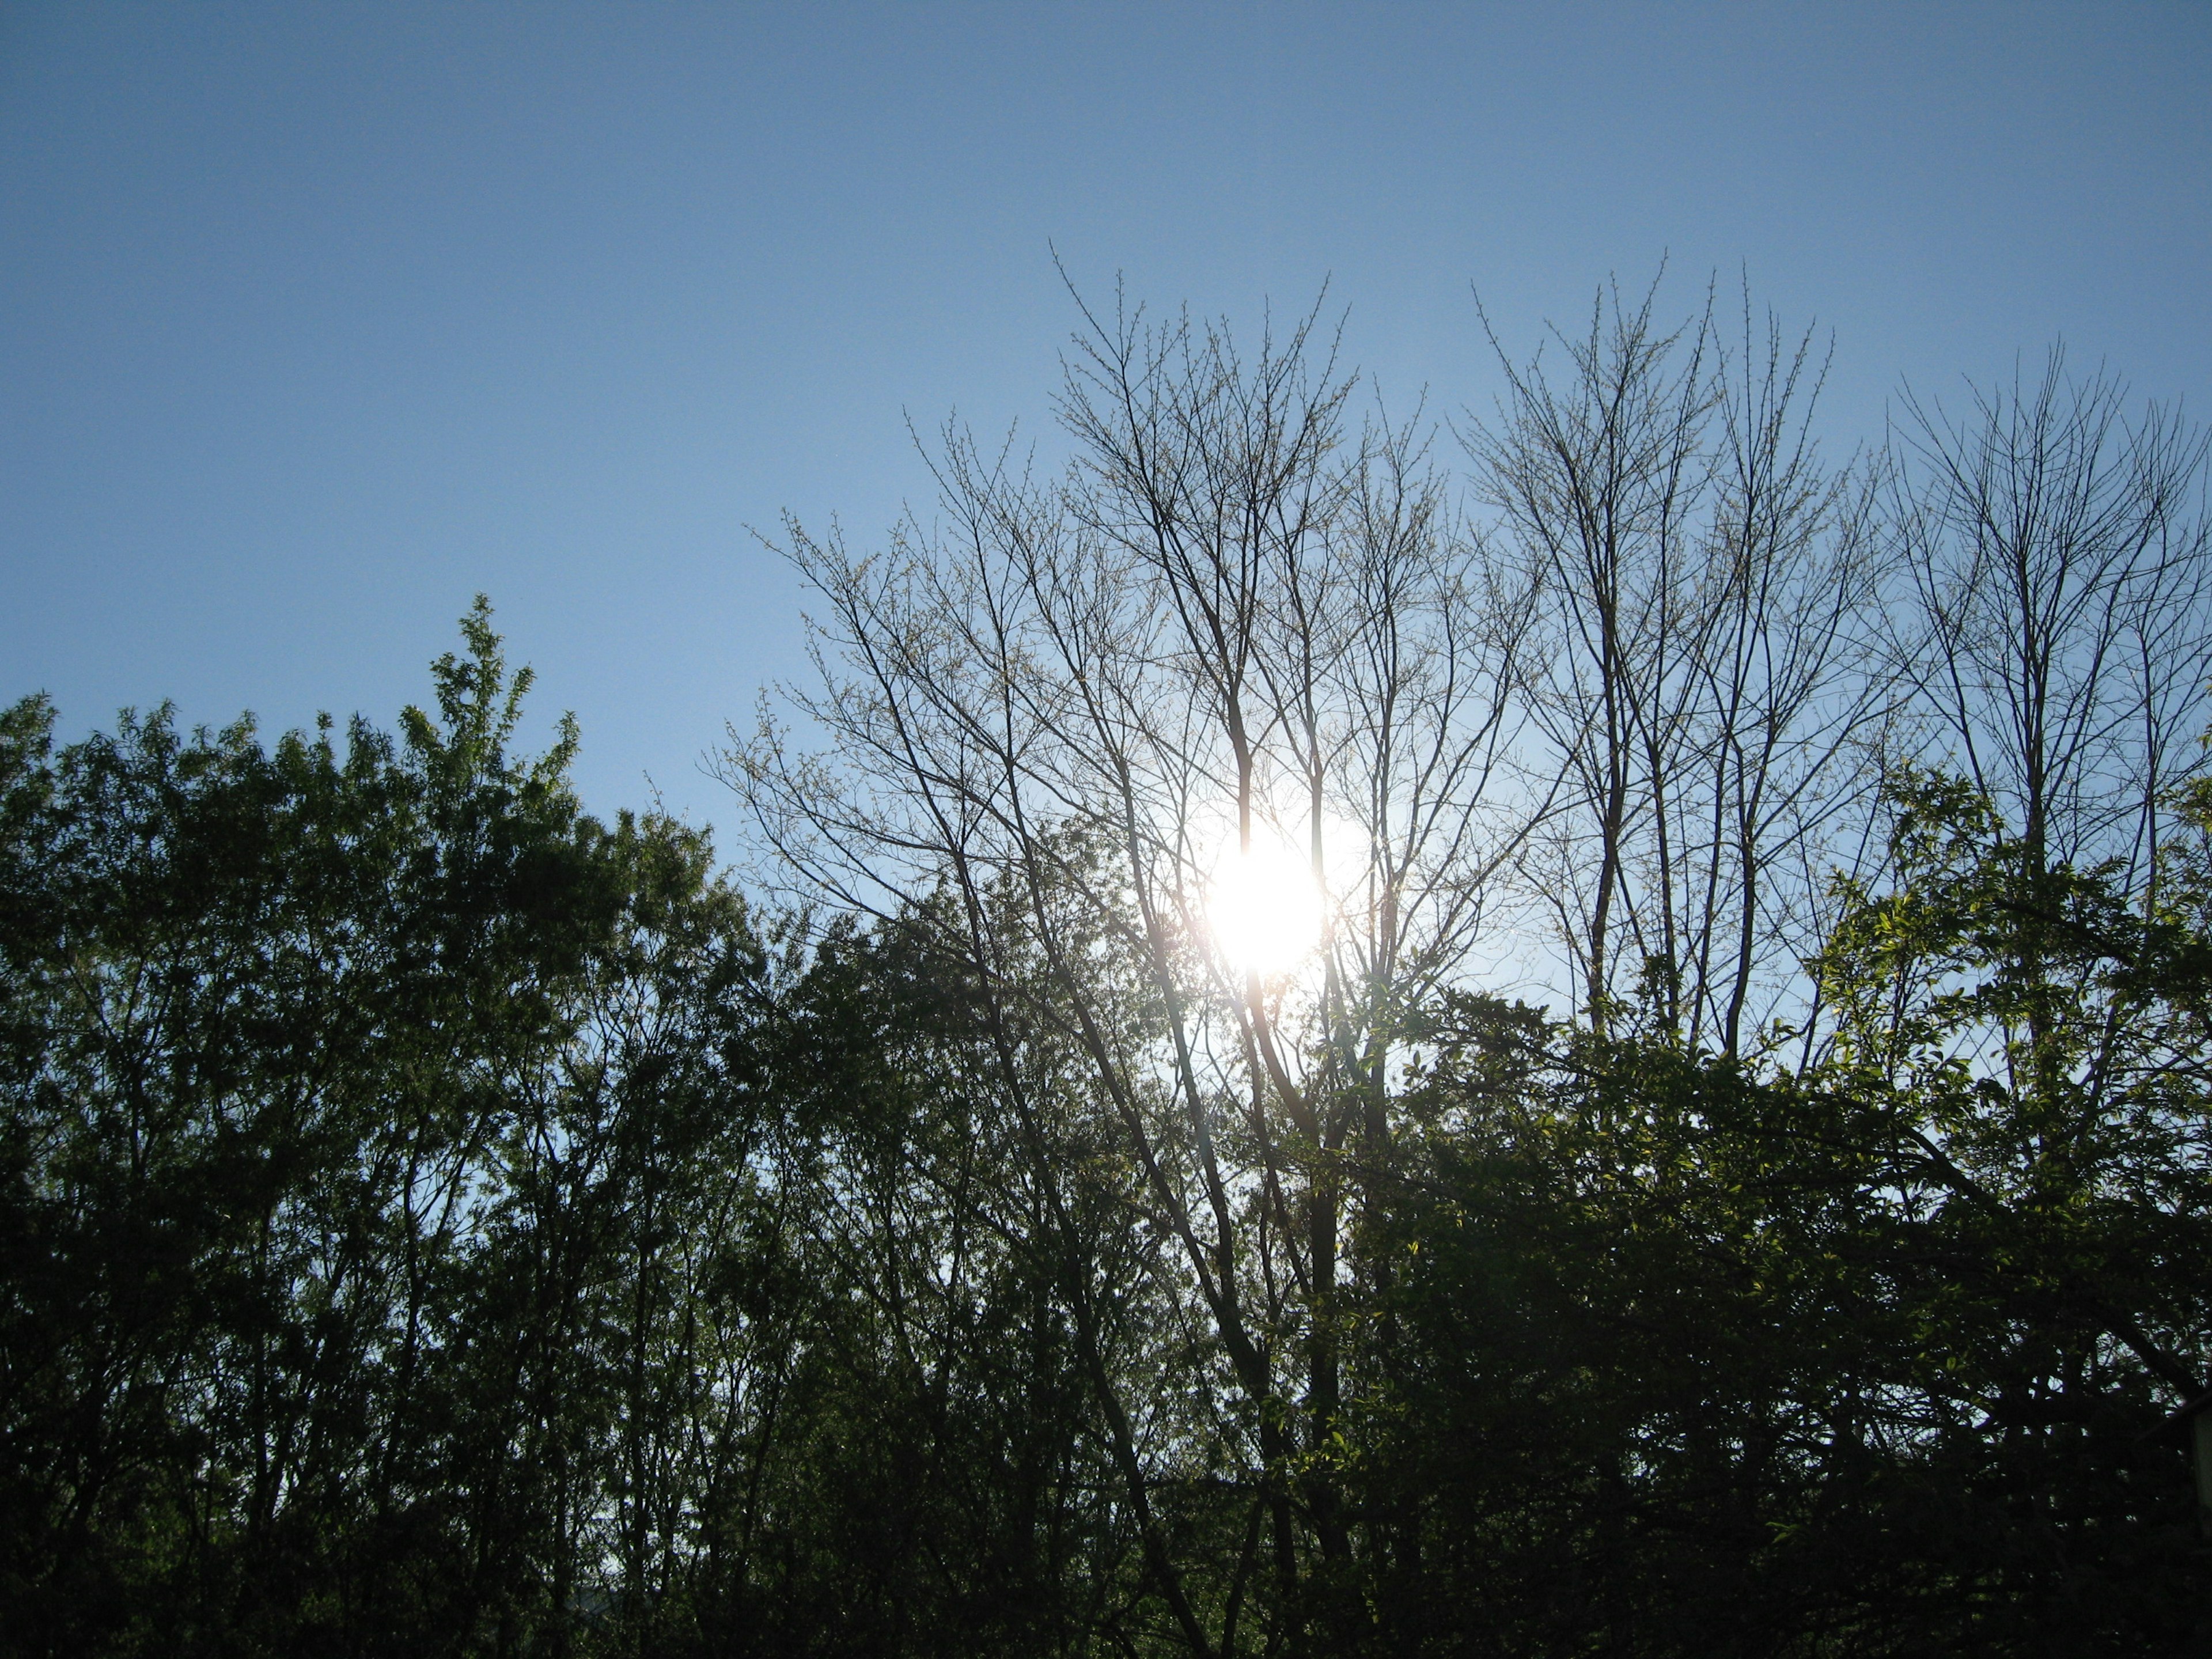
(2055, 561)
(1703, 583)
(1061, 724)
(1793, 697)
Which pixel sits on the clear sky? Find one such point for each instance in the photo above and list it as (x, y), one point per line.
(315, 320)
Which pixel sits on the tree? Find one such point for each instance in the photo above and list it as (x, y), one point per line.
(311, 1057)
(1232, 629)
(1702, 723)
(2057, 569)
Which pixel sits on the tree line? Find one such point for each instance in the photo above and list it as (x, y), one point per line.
(1707, 1154)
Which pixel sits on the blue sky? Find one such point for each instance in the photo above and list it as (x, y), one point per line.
(315, 320)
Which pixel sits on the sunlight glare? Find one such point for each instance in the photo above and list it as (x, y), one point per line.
(1264, 908)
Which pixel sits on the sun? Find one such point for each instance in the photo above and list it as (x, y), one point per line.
(1264, 908)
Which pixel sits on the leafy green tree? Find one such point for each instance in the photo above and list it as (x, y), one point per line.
(292, 1035)
(1875, 1359)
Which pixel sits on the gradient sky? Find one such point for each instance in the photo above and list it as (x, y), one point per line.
(315, 320)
